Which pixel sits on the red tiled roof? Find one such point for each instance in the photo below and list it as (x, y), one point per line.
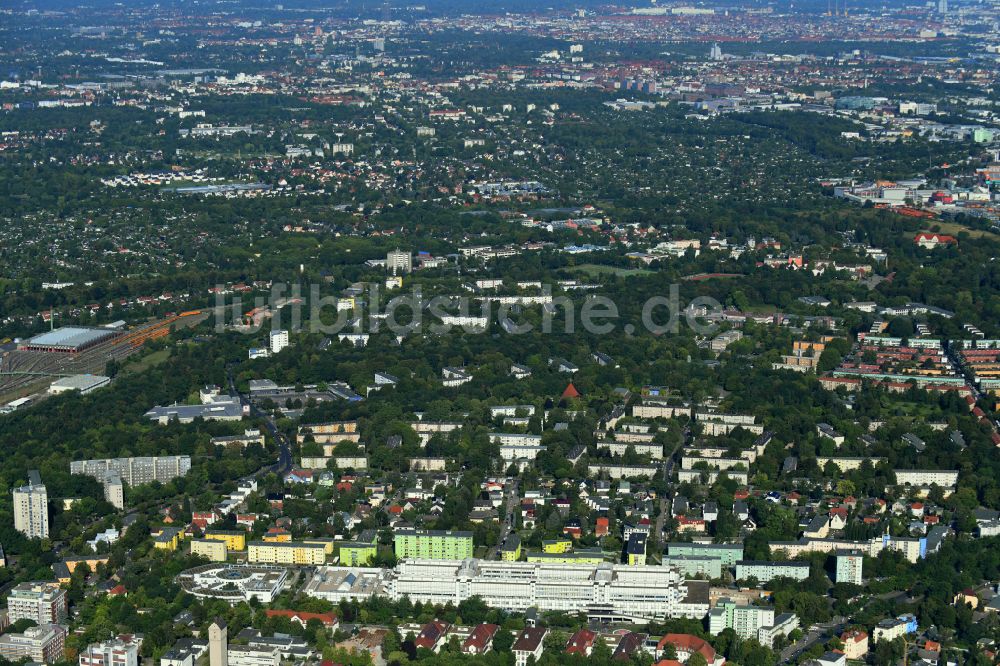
(690, 644)
(480, 637)
(940, 238)
(430, 634)
(856, 635)
(580, 642)
(529, 639)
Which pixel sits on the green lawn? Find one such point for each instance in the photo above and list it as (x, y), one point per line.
(596, 270)
(146, 362)
(953, 229)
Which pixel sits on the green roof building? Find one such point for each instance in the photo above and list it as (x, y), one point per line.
(432, 544)
(729, 553)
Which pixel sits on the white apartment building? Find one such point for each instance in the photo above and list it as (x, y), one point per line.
(42, 603)
(710, 475)
(134, 471)
(122, 651)
(723, 417)
(398, 262)
(515, 439)
(114, 490)
(247, 655)
(746, 621)
(689, 462)
(767, 571)
(465, 321)
(31, 508)
(784, 624)
(623, 471)
(846, 463)
(849, 569)
(511, 410)
(279, 340)
(618, 448)
(510, 452)
(891, 629)
(721, 428)
(757, 622)
(657, 410)
(427, 429)
(926, 477)
(42, 644)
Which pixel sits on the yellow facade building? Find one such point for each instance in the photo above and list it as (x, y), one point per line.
(260, 552)
(214, 550)
(234, 540)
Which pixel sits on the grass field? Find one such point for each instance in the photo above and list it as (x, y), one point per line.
(596, 270)
(146, 362)
(953, 229)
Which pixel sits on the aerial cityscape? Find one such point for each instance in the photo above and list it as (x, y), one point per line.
(503, 333)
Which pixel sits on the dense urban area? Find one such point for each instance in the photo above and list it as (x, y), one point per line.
(513, 334)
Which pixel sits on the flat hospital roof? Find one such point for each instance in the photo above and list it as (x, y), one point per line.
(70, 336)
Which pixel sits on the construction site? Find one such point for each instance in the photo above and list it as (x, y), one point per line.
(27, 371)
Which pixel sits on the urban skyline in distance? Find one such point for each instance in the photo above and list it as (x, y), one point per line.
(372, 333)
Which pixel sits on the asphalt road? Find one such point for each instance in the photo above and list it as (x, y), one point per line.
(284, 464)
(816, 634)
(508, 520)
(668, 470)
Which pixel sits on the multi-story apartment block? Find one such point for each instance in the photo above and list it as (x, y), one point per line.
(757, 622)
(329, 433)
(42, 644)
(263, 552)
(784, 624)
(356, 553)
(693, 565)
(398, 262)
(42, 603)
(926, 477)
(849, 567)
(31, 508)
(253, 655)
(653, 409)
(617, 447)
(432, 544)
(122, 651)
(234, 539)
(890, 630)
(729, 553)
(210, 549)
(278, 341)
(855, 644)
(135, 471)
(114, 490)
(767, 571)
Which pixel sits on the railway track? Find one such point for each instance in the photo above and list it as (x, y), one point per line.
(49, 365)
